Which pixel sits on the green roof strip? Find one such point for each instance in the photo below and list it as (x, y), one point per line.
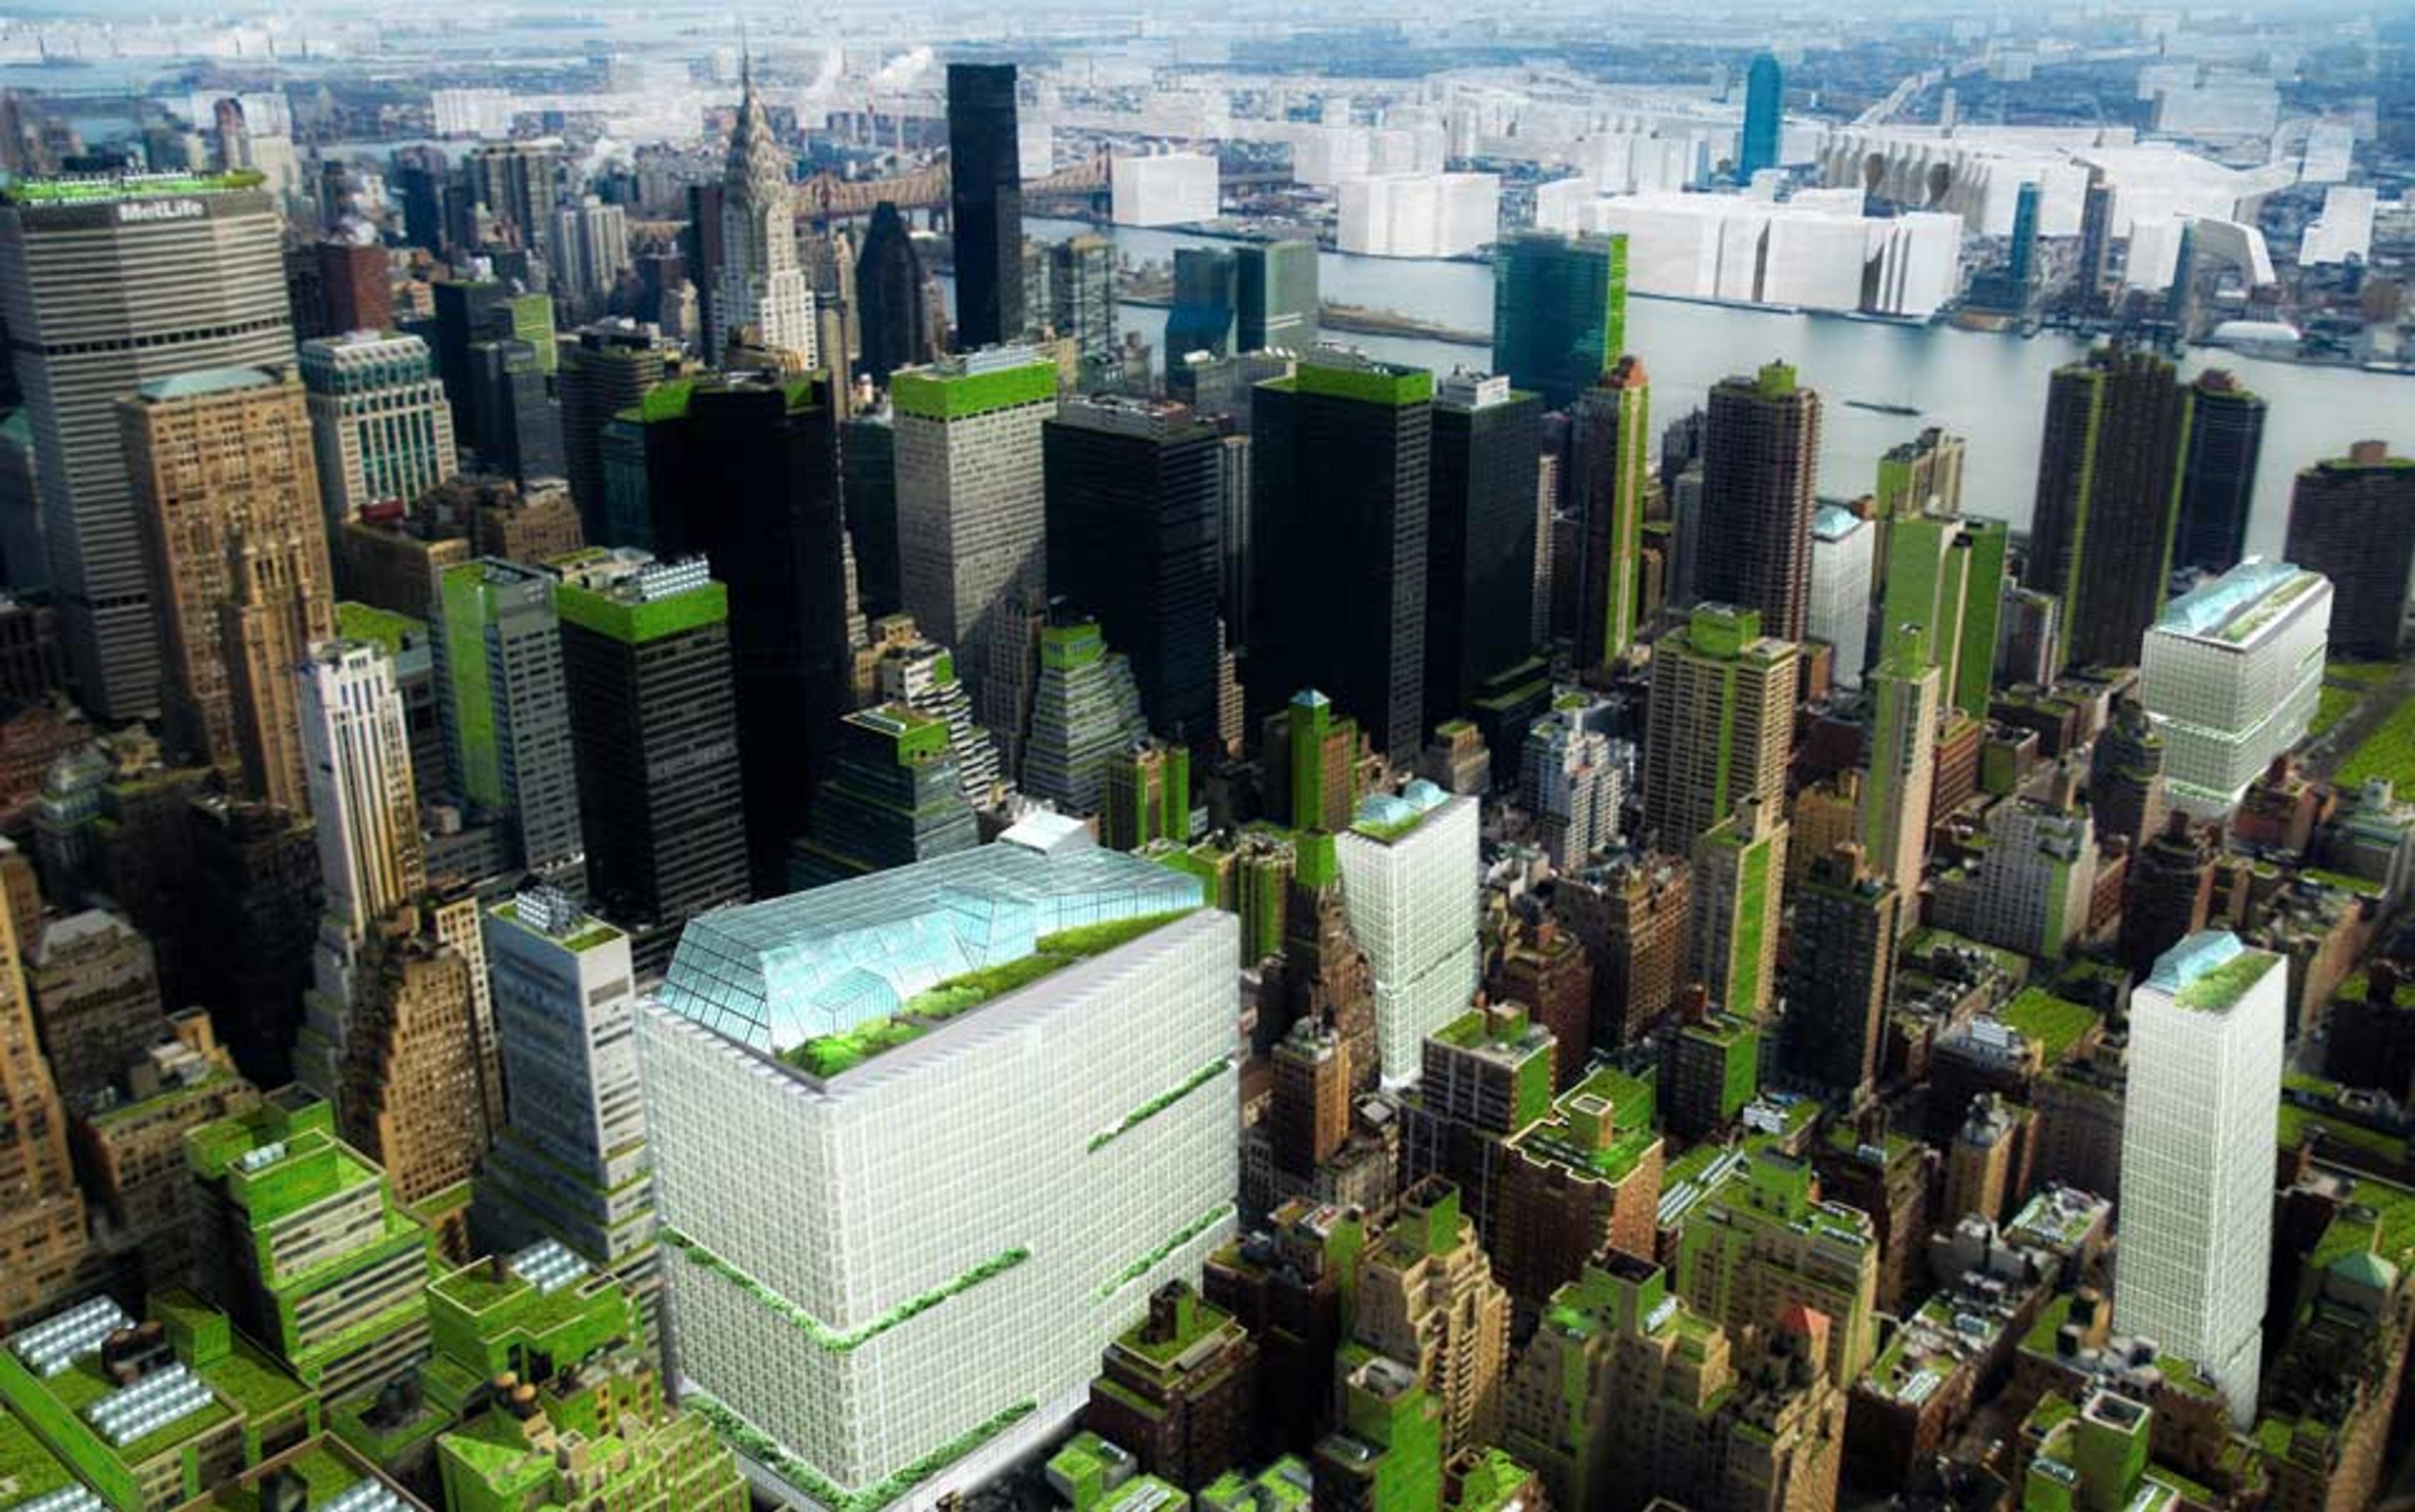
(931, 394)
(1375, 383)
(636, 622)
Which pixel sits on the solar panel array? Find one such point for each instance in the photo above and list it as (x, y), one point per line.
(152, 1403)
(50, 1347)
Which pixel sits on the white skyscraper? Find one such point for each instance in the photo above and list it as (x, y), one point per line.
(1410, 878)
(2197, 1128)
(925, 1141)
(760, 283)
(2231, 674)
(1841, 546)
(1574, 782)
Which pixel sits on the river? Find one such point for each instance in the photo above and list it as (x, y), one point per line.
(1987, 388)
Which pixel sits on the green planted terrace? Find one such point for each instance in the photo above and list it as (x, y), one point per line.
(829, 1054)
(2057, 1024)
(766, 1451)
(839, 1340)
(1158, 1104)
(1149, 1262)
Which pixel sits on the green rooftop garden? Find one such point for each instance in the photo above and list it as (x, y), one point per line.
(2331, 705)
(325, 1471)
(829, 1054)
(382, 627)
(2363, 887)
(27, 1470)
(2221, 986)
(105, 188)
(2389, 752)
(2057, 1024)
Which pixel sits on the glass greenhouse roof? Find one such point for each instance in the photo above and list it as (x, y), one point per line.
(771, 975)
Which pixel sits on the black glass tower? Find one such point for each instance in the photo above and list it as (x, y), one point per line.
(2226, 437)
(744, 471)
(1135, 507)
(985, 204)
(1479, 538)
(888, 289)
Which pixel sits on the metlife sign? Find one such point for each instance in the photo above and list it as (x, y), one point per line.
(138, 212)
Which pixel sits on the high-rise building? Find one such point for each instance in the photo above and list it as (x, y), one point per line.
(237, 549)
(106, 286)
(1179, 1389)
(1340, 453)
(1634, 918)
(985, 204)
(1278, 288)
(419, 1081)
(1134, 500)
(1559, 312)
(972, 521)
(281, 1185)
(1148, 795)
(361, 790)
(378, 418)
(1486, 442)
(1843, 546)
(653, 721)
(2108, 499)
(605, 368)
(2206, 1049)
(1085, 709)
(2226, 437)
(507, 735)
(1313, 762)
(1761, 462)
(1920, 476)
(757, 285)
(1612, 465)
(987, 983)
(1206, 303)
(1485, 1076)
(1546, 969)
(1408, 866)
(892, 798)
(357, 280)
(515, 418)
(910, 668)
(1739, 900)
(1764, 105)
(746, 472)
(1308, 1112)
(1385, 1451)
(1628, 1398)
(1082, 298)
(2126, 792)
(518, 183)
(589, 250)
(2352, 519)
(1763, 1248)
(2230, 674)
(1574, 781)
(1899, 775)
(2036, 875)
(1722, 724)
(95, 996)
(570, 1165)
(890, 298)
(1944, 575)
(1846, 918)
(41, 1209)
(1427, 1300)
(2166, 892)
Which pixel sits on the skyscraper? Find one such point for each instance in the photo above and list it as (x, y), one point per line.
(42, 1210)
(1559, 312)
(1085, 709)
(882, 1347)
(2225, 436)
(973, 522)
(2108, 497)
(1847, 918)
(508, 751)
(1612, 468)
(1406, 865)
(418, 1071)
(2231, 673)
(517, 421)
(654, 720)
(1899, 775)
(985, 204)
(1739, 902)
(1427, 1299)
(571, 1163)
(1135, 500)
(1082, 298)
(744, 471)
(518, 183)
(892, 798)
(910, 668)
(1944, 579)
(1921, 475)
(1765, 103)
(1722, 724)
(889, 292)
(361, 791)
(1486, 441)
(1761, 461)
(1206, 303)
(105, 287)
(1842, 546)
(607, 369)
(1340, 460)
(1278, 290)
(2352, 519)
(237, 547)
(378, 418)
(2206, 1049)
(757, 284)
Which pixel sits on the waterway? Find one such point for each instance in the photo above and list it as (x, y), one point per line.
(1987, 388)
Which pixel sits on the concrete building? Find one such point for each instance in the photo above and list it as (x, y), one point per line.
(1427, 1300)
(1899, 775)
(1574, 780)
(843, 1035)
(1843, 546)
(2352, 519)
(1739, 900)
(1175, 189)
(95, 982)
(379, 422)
(1410, 880)
(758, 285)
(1759, 1247)
(1837, 988)
(1760, 467)
(507, 730)
(228, 491)
(1179, 1389)
(1808, 253)
(2230, 676)
(2206, 1048)
(42, 1221)
(1085, 709)
(107, 286)
(1722, 726)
